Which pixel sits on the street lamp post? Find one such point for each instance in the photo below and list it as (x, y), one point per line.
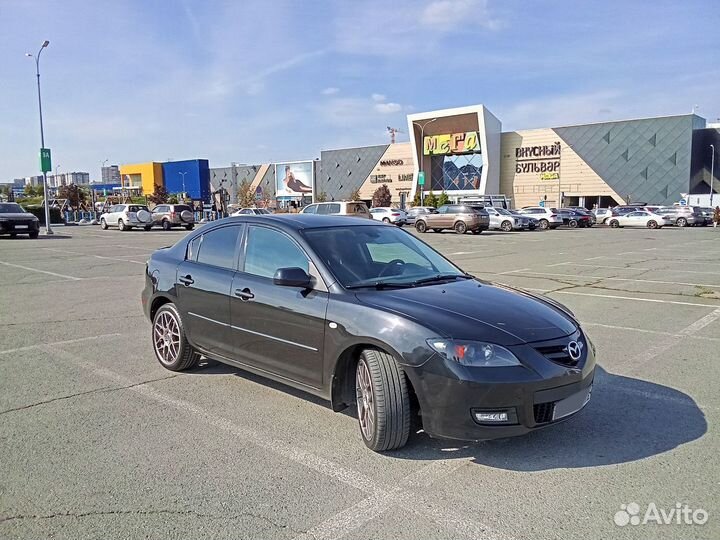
(422, 155)
(48, 229)
(183, 181)
(712, 173)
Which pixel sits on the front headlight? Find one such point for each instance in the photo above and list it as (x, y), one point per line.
(473, 353)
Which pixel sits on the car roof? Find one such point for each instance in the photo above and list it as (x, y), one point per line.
(300, 221)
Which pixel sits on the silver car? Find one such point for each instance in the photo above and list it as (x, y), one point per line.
(548, 218)
(504, 220)
(682, 216)
(126, 216)
(389, 215)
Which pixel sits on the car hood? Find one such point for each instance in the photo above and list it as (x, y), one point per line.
(478, 310)
(18, 215)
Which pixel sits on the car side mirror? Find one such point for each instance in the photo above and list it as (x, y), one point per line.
(293, 277)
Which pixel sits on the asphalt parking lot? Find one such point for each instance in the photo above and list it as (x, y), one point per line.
(98, 441)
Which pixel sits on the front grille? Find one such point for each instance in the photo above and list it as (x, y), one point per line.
(557, 354)
(544, 412)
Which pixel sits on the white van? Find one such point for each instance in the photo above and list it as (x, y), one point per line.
(341, 208)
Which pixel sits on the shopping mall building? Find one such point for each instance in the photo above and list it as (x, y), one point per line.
(465, 153)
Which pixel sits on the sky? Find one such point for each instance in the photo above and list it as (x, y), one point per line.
(257, 81)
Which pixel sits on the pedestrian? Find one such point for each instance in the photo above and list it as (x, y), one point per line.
(716, 216)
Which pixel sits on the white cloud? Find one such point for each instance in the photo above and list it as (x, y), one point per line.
(330, 91)
(386, 108)
(379, 97)
(448, 14)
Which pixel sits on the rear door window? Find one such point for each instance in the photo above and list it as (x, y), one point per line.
(219, 247)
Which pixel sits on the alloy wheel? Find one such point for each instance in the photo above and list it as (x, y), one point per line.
(166, 338)
(365, 400)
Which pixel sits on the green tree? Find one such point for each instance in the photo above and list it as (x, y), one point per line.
(443, 199)
(29, 190)
(73, 194)
(160, 196)
(245, 194)
(430, 200)
(382, 197)
(417, 201)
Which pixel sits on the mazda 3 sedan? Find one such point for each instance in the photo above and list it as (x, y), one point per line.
(364, 314)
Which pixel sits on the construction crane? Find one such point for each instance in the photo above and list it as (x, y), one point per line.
(392, 131)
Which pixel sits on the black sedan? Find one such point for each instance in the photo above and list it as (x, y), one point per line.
(361, 313)
(15, 220)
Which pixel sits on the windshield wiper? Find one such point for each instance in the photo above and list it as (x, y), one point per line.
(380, 285)
(439, 277)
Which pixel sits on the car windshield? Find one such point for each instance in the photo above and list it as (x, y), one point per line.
(504, 212)
(379, 256)
(11, 208)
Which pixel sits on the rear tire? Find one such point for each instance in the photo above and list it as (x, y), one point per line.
(166, 225)
(506, 226)
(421, 226)
(573, 224)
(169, 341)
(189, 227)
(544, 224)
(34, 234)
(386, 220)
(614, 224)
(437, 230)
(652, 224)
(681, 222)
(121, 225)
(147, 227)
(383, 401)
(460, 227)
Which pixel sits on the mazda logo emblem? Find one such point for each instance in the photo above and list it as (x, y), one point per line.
(574, 349)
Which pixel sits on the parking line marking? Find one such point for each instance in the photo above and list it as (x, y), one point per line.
(507, 272)
(57, 343)
(617, 297)
(656, 351)
(581, 276)
(292, 453)
(65, 252)
(72, 278)
(647, 331)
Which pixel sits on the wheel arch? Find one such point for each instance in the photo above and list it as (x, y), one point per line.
(157, 303)
(342, 389)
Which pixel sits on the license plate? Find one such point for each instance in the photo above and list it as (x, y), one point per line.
(21, 226)
(572, 403)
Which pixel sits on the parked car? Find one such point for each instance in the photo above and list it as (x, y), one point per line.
(533, 222)
(415, 211)
(389, 215)
(251, 212)
(682, 216)
(504, 220)
(172, 215)
(341, 208)
(641, 218)
(127, 216)
(575, 218)
(707, 213)
(602, 215)
(363, 314)
(459, 217)
(15, 220)
(584, 210)
(548, 218)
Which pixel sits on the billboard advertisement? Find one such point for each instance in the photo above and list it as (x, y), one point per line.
(294, 179)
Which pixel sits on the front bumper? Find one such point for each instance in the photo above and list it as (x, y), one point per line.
(538, 394)
(19, 226)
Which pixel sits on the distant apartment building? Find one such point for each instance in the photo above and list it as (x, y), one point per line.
(77, 178)
(111, 174)
(33, 180)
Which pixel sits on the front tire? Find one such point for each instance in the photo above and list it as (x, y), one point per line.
(544, 224)
(681, 222)
(506, 226)
(652, 224)
(189, 227)
(421, 226)
(169, 341)
(614, 224)
(573, 224)
(103, 224)
(147, 227)
(34, 234)
(166, 225)
(383, 402)
(386, 220)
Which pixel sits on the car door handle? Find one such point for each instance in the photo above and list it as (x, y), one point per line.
(244, 294)
(186, 280)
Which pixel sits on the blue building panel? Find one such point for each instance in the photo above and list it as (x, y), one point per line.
(191, 176)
